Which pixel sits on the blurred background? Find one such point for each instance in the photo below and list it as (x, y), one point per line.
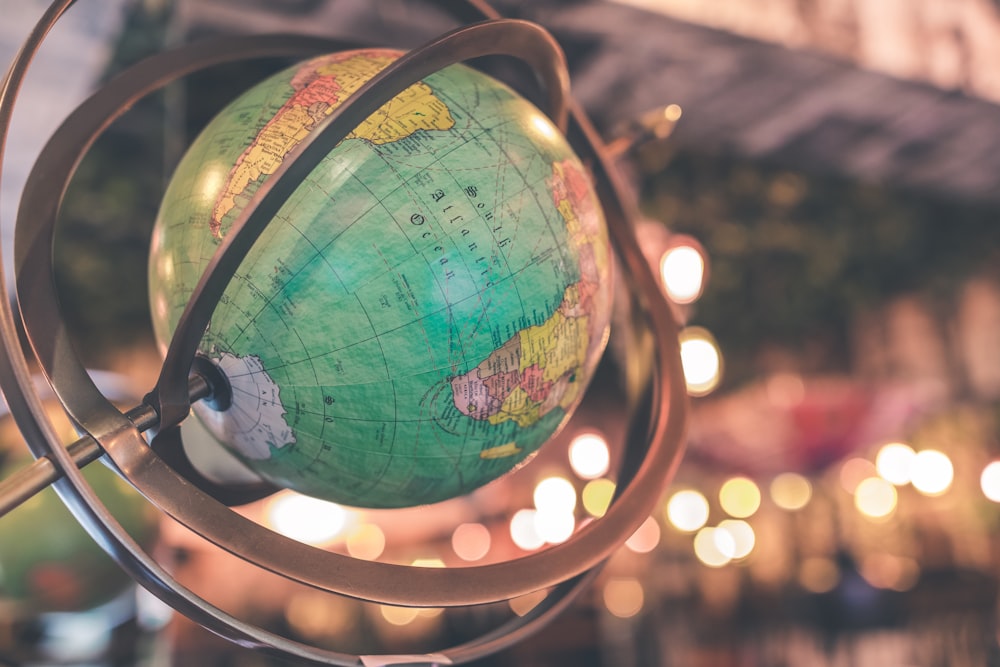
(820, 189)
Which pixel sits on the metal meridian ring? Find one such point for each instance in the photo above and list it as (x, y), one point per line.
(337, 573)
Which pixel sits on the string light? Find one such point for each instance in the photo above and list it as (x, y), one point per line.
(894, 463)
(989, 481)
(682, 269)
(597, 495)
(623, 597)
(471, 541)
(739, 497)
(932, 472)
(308, 520)
(714, 547)
(875, 498)
(791, 491)
(701, 361)
(687, 510)
(645, 538)
(589, 455)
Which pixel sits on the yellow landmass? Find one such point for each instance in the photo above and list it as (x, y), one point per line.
(416, 108)
(557, 346)
(500, 451)
(517, 407)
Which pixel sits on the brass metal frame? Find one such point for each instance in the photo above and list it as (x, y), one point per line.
(653, 445)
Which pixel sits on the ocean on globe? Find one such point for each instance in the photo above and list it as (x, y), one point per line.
(424, 312)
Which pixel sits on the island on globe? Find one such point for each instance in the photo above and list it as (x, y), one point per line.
(426, 309)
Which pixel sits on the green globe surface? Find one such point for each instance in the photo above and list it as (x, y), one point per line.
(48, 562)
(422, 314)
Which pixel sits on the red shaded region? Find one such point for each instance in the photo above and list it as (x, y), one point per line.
(534, 384)
(577, 184)
(320, 90)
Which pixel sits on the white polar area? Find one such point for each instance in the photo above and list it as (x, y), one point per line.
(255, 421)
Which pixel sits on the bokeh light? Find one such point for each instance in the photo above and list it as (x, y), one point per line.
(682, 269)
(818, 574)
(589, 455)
(933, 472)
(687, 510)
(701, 360)
(597, 495)
(791, 491)
(471, 541)
(989, 481)
(894, 463)
(555, 494)
(744, 538)
(554, 526)
(672, 112)
(366, 542)
(308, 520)
(623, 596)
(317, 615)
(522, 530)
(875, 498)
(714, 547)
(739, 497)
(854, 471)
(645, 538)
(887, 571)
(398, 615)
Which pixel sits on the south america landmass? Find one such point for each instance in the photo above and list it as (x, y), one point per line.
(320, 87)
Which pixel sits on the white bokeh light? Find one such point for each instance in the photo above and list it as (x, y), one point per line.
(894, 463)
(875, 498)
(714, 547)
(682, 269)
(989, 481)
(742, 533)
(687, 510)
(554, 526)
(701, 360)
(309, 520)
(589, 455)
(522, 530)
(933, 472)
(555, 494)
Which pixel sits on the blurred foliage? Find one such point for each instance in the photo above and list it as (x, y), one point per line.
(107, 217)
(794, 257)
(102, 238)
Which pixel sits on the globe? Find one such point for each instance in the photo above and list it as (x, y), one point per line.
(48, 562)
(423, 313)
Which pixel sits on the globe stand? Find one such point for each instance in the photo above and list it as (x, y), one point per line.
(161, 473)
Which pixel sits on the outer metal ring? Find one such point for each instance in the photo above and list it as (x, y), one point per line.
(379, 582)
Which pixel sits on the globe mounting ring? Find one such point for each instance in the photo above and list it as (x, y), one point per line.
(568, 567)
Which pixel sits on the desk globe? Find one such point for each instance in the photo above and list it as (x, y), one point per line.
(426, 309)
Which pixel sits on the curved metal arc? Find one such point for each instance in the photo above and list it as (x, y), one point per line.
(383, 582)
(56, 164)
(250, 636)
(78, 390)
(520, 39)
(176, 595)
(15, 377)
